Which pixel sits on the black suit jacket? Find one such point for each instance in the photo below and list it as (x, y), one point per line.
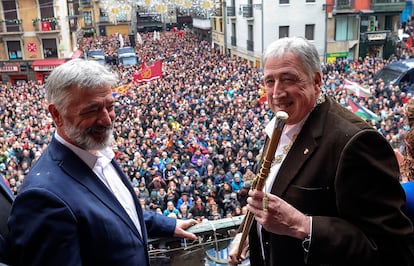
(343, 173)
(6, 200)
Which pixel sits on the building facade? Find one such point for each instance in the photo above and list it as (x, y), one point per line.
(347, 29)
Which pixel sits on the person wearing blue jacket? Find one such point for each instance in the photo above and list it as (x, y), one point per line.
(76, 206)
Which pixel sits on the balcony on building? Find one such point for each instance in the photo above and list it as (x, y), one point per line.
(46, 25)
(233, 41)
(344, 4)
(11, 27)
(104, 19)
(250, 45)
(247, 11)
(73, 23)
(217, 12)
(388, 5)
(231, 11)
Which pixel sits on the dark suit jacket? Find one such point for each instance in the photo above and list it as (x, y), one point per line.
(344, 174)
(6, 200)
(64, 215)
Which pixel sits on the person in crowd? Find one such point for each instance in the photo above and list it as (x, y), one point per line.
(76, 206)
(154, 202)
(186, 186)
(143, 204)
(185, 199)
(214, 213)
(243, 193)
(143, 191)
(209, 173)
(407, 172)
(198, 210)
(333, 194)
(184, 213)
(6, 200)
(237, 182)
(200, 167)
(233, 171)
(157, 183)
(169, 171)
(199, 189)
(170, 209)
(220, 179)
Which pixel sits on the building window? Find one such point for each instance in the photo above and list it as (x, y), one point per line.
(310, 1)
(346, 28)
(10, 14)
(49, 48)
(283, 1)
(85, 3)
(73, 8)
(310, 31)
(15, 50)
(250, 36)
(87, 18)
(46, 9)
(283, 31)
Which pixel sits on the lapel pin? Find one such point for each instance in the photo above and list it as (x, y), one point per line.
(306, 151)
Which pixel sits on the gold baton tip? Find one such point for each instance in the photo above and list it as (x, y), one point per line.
(282, 115)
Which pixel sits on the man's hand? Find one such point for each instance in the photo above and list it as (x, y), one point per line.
(234, 248)
(181, 226)
(280, 217)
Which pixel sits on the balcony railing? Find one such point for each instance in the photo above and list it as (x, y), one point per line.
(344, 4)
(217, 12)
(46, 26)
(250, 45)
(103, 19)
(233, 41)
(231, 11)
(247, 11)
(10, 26)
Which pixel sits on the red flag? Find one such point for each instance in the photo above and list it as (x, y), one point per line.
(122, 89)
(45, 26)
(149, 73)
(409, 42)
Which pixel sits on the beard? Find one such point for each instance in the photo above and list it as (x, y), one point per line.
(85, 138)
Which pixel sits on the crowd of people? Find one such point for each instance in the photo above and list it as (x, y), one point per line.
(190, 142)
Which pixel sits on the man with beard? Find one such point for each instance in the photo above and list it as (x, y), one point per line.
(76, 206)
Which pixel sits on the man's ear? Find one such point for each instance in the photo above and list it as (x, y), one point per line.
(318, 78)
(57, 118)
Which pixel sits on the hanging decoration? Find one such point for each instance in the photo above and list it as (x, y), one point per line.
(117, 10)
(120, 10)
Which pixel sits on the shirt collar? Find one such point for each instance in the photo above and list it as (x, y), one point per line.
(289, 130)
(105, 155)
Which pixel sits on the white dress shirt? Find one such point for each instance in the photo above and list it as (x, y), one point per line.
(287, 138)
(100, 163)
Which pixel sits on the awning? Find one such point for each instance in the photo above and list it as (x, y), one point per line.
(47, 64)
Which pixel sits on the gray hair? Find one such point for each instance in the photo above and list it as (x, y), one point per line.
(78, 74)
(299, 46)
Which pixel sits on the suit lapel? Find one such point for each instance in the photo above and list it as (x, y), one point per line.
(5, 190)
(126, 182)
(79, 171)
(303, 148)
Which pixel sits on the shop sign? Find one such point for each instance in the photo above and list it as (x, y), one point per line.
(43, 68)
(377, 36)
(10, 68)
